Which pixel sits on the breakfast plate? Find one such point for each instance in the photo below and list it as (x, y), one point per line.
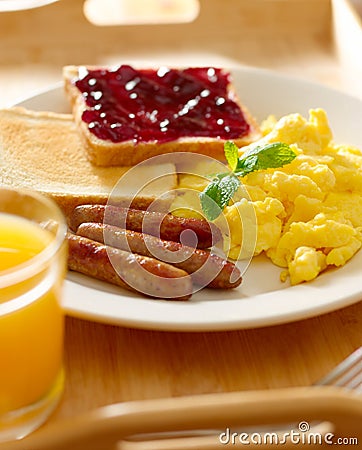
(262, 299)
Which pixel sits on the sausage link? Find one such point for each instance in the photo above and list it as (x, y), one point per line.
(165, 226)
(206, 269)
(133, 272)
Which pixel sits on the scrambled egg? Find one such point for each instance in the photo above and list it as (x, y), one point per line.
(308, 214)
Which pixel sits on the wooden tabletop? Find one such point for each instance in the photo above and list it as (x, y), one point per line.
(106, 364)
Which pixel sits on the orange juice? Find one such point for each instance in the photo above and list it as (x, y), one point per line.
(31, 319)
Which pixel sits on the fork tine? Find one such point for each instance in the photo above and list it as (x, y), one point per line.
(347, 374)
(348, 378)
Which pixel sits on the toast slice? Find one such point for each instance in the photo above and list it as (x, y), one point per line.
(43, 151)
(126, 115)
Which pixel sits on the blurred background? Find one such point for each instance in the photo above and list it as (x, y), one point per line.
(319, 40)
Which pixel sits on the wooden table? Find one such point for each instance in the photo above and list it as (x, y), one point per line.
(107, 364)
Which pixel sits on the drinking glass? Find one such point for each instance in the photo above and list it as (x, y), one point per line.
(32, 269)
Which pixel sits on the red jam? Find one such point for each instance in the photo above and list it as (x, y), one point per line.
(160, 105)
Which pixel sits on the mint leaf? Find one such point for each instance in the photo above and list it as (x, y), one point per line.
(270, 156)
(222, 188)
(217, 195)
(232, 154)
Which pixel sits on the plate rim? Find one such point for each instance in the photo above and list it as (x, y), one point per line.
(221, 325)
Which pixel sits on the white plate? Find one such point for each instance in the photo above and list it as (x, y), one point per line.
(19, 5)
(261, 299)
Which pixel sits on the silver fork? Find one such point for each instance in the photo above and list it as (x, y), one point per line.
(182, 423)
(348, 374)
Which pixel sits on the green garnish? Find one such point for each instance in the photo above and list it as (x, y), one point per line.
(222, 188)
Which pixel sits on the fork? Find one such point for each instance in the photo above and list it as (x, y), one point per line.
(334, 399)
(348, 374)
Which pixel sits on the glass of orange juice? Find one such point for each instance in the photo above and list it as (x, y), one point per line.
(32, 269)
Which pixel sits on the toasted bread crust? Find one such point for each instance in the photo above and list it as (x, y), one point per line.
(43, 151)
(107, 153)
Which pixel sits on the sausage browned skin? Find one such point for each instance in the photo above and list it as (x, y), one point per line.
(143, 274)
(165, 226)
(206, 269)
